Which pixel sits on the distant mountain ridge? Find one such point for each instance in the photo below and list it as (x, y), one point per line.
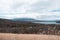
(37, 21)
(33, 20)
(23, 19)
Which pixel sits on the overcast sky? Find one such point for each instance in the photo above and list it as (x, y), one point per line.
(37, 9)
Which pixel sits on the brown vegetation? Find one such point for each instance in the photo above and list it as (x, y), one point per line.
(8, 26)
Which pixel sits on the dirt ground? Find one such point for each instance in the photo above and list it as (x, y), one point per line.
(8, 36)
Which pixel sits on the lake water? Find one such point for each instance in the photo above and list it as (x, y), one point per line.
(47, 22)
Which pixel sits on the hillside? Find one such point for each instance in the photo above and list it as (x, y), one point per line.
(24, 27)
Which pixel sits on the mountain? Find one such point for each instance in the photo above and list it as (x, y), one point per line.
(57, 21)
(32, 20)
(23, 19)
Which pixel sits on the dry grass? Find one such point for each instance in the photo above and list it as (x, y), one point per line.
(7, 36)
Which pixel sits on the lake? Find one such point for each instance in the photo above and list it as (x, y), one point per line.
(47, 22)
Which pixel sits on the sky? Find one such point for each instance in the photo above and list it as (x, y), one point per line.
(37, 9)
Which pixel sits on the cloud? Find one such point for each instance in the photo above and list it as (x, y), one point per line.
(38, 9)
(57, 10)
(15, 6)
(33, 15)
(40, 6)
